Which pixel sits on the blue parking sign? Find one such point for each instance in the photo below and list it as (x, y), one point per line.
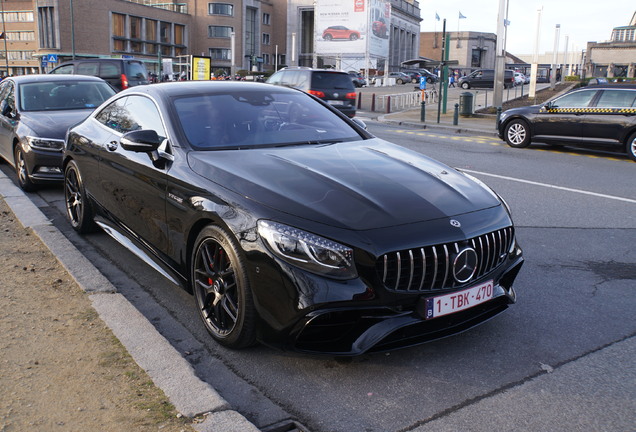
(422, 83)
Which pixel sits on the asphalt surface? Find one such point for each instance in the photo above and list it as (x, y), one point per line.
(560, 398)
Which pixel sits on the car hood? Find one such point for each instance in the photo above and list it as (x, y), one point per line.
(356, 185)
(531, 109)
(52, 124)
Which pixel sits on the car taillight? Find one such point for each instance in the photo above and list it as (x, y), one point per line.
(317, 93)
(124, 82)
(351, 95)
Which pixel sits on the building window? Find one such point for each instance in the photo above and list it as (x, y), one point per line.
(18, 16)
(220, 9)
(151, 36)
(266, 59)
(251, 31)
(220, 53)
(135, 34)
(266, 19)
(21, 36)
(475, 58)
(20, 55)
(219, 31)
(46, 27)
(265, 40)
(119, 32)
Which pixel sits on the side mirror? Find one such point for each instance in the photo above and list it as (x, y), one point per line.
(141, 141)
(360, 123)
(5, 108)
(548, 106)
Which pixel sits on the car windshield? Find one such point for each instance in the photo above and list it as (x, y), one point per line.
(63, 95)
(257, 119)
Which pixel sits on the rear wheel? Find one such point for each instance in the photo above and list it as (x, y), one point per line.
(517, 134)
(631, 147)
(22, 172)
(78, 207)
(328, 37)
(222, 290)
(465, 85)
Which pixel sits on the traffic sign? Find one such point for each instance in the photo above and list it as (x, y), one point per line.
(422, 83)
(51, 58)
(44, 62)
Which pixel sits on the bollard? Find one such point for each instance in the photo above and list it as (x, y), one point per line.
(456, 115)
(498, 117)
(360, 100)
(373, 102)
(522, 90)
(388, 104)
(423, 111)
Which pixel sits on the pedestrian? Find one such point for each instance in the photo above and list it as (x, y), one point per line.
(451, 81)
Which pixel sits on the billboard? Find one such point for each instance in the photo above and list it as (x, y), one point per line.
(352, 27)
(201, 68)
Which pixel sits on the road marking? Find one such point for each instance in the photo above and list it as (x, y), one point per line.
(629, 200)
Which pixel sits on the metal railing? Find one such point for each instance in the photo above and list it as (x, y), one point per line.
(401, 101)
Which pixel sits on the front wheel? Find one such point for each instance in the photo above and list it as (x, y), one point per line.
(78, 206)
(465, 86)
(517, 134)
(222, 290)
(22, 171)
(631, 147)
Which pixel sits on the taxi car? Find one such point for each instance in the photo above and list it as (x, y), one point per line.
(599, 115)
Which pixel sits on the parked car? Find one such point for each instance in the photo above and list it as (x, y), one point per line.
(415, 75)
(357, 78)
(400, 77)
(35, 113)
(485, 78)
(603, 114)
(520, 79)
(334, 87)
(431, 78)
(290, 223)
(340, 32)
(120, 73)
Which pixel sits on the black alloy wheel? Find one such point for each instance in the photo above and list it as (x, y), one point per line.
(22, 172)
(631, 147)
(221, 289)
(517, 134)
(78, 207)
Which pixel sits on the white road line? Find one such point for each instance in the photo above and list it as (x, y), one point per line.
(629, 200)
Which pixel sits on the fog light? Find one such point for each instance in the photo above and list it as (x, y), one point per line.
(49, 170)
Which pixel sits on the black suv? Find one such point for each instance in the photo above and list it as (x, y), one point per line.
(594, 115)
(485, 78)
(120, 73)
(332, 86)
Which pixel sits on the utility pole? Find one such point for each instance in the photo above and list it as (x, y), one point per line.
(442, 79)
(557, 30)
(534, 69)
(500, 55)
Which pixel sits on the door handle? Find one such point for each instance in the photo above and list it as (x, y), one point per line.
(112, 146)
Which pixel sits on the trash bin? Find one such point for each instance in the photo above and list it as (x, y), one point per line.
(466, 104)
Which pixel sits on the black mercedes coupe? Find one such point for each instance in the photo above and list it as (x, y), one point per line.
(289, 222)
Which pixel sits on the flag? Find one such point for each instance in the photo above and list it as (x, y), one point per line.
(461, 16)
(506, 22)
(436, 17)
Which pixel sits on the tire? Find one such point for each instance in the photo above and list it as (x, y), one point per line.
(22, 171)
(517, 134)
(353, 37)
(465, 85)
(399, 81)
(78, 206)
(630, 148)
(328, 37)
(222, 290)
(429, 80)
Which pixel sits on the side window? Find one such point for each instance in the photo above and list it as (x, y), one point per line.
(276, 78)
(113, 115)
(87, 68)
(142, 113)
(579, 99)
(617, 99)
(68, 69)
(109, 70)
(7, 94)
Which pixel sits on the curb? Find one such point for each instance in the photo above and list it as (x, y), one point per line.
(151, 351)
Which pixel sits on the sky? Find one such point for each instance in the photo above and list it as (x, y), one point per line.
(581, 20)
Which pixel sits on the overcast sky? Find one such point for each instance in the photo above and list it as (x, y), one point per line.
(580, 20)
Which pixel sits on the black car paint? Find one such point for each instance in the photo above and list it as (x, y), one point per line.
(331, 190)
(592, 125)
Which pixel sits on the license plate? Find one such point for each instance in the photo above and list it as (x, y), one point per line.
(335, 102)
(458, 301)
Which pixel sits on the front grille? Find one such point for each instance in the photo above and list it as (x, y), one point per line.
(430, 268)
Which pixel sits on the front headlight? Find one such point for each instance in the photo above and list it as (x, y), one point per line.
(45, 143)
(308, 251)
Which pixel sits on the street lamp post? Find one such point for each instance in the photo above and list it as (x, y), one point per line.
(4, 34)
(534, 69)
(557, 30)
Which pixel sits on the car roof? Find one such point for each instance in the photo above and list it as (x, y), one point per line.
(21, 79)
(613, 86)
(182, 88)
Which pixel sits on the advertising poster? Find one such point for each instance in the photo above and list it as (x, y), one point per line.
(341, 26)
(200, 68)
(352, 27)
